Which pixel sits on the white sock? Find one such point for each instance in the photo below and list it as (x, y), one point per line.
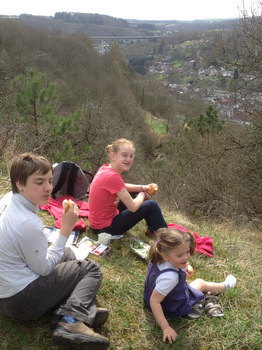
(230, 282)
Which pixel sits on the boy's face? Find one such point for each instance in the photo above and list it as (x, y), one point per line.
(38, 188)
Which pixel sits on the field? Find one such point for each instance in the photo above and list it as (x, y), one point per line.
(237, 250)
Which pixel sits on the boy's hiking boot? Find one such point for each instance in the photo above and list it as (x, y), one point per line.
(101, 317)
(79, 336)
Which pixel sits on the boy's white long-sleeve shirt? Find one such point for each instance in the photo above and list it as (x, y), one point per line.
(24, 252)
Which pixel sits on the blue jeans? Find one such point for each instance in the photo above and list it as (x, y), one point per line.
(125, 220)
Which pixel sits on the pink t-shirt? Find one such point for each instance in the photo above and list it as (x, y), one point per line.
(103, 199)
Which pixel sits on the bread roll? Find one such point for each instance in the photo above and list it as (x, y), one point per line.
(153, 189)
(66, 204)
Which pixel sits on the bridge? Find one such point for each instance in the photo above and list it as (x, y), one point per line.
(132, 37)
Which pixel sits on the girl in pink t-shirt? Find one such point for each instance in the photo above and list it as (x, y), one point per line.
(115, 206)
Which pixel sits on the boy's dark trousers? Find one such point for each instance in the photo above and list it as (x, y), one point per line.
(70, 288)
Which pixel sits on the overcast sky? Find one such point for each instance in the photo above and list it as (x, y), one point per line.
(132, 9)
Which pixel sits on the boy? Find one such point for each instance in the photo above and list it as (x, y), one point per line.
(35, 278)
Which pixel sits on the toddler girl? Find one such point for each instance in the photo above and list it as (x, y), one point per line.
(166, 290)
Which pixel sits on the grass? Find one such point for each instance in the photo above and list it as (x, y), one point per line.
(177, 63)
(158, 125)
(131, 326)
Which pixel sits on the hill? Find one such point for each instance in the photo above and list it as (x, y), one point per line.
(132, 326)
(64, 23)
(92, 99)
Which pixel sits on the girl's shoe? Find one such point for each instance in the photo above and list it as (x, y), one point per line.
(212, 307)
(197, 311)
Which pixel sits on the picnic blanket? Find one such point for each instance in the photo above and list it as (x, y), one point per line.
(55, 208)
(204, 245)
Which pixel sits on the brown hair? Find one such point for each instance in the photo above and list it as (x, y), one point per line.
(25, 165)
(167, 239)
(116, 145)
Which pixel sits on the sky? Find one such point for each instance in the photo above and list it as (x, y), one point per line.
(134, 9)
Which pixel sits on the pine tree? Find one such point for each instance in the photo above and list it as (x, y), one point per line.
(207, 123)
(41, 129)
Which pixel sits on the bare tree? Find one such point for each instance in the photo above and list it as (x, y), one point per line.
(241, 49)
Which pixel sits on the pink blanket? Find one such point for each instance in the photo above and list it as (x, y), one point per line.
(204, 245)
(55, 208)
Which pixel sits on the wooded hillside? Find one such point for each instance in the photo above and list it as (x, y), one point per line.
(60, 98)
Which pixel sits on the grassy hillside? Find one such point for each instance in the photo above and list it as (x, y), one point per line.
(132, 326)
(214, 176)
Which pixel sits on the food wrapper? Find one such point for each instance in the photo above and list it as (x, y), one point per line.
(139, 247)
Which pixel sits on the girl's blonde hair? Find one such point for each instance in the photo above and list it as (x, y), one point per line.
(167, 239)
(116, 145)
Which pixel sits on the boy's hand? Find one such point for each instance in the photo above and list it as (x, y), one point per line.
(69, 218)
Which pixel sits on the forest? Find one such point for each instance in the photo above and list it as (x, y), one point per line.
(60, 98)
(93, 24)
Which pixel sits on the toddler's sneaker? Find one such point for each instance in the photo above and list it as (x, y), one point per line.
(230, 282)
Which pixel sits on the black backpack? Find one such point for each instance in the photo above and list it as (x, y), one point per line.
(70, 179)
